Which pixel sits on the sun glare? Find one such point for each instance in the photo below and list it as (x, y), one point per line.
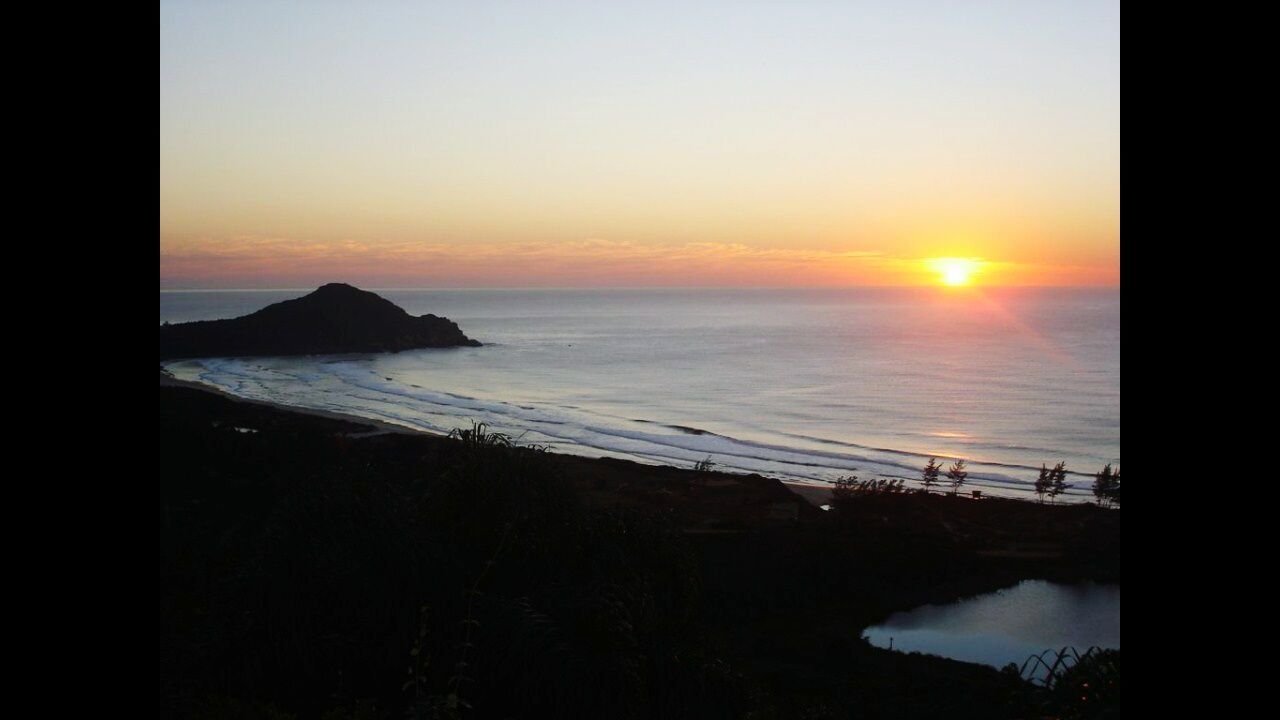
(954, 272)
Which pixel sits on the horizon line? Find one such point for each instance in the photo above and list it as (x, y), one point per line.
(652, 287)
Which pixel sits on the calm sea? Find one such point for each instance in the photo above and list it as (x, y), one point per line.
(796, 384)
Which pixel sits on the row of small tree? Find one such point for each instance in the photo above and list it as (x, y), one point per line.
(1051, 483)
(956, 475)
(1106, 484)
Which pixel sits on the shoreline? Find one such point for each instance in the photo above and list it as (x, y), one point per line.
(167, 380)
(815, 495)
(814, 492)
(810, 496)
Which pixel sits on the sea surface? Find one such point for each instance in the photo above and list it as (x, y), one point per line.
(808, 385)
(1009, 625)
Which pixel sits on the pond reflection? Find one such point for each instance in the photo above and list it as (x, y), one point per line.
(1009, 625)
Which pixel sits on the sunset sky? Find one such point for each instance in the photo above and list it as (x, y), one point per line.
(434, 144)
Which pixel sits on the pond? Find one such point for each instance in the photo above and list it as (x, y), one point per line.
(1009, 625)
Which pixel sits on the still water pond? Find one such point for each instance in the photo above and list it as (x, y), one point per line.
(1010, 625)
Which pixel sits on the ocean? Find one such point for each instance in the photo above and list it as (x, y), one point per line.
(802, 385)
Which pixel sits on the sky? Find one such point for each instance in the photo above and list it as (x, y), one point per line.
(486, 144)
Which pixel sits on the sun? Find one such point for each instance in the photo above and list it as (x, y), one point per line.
(954, 272)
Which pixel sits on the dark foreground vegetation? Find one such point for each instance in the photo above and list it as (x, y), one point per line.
(313, 568)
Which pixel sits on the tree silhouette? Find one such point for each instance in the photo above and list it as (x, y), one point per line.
(956, 475)
(1059, 480)
(1104, 485)
(1115, 487)
(1044, 483)
(930, 476)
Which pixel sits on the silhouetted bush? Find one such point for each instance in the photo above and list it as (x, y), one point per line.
(1044, 482)
(929, 476)
(1058, 484)
(1106, 486)
(1090, 688)
(956, 475)
(843, 490)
